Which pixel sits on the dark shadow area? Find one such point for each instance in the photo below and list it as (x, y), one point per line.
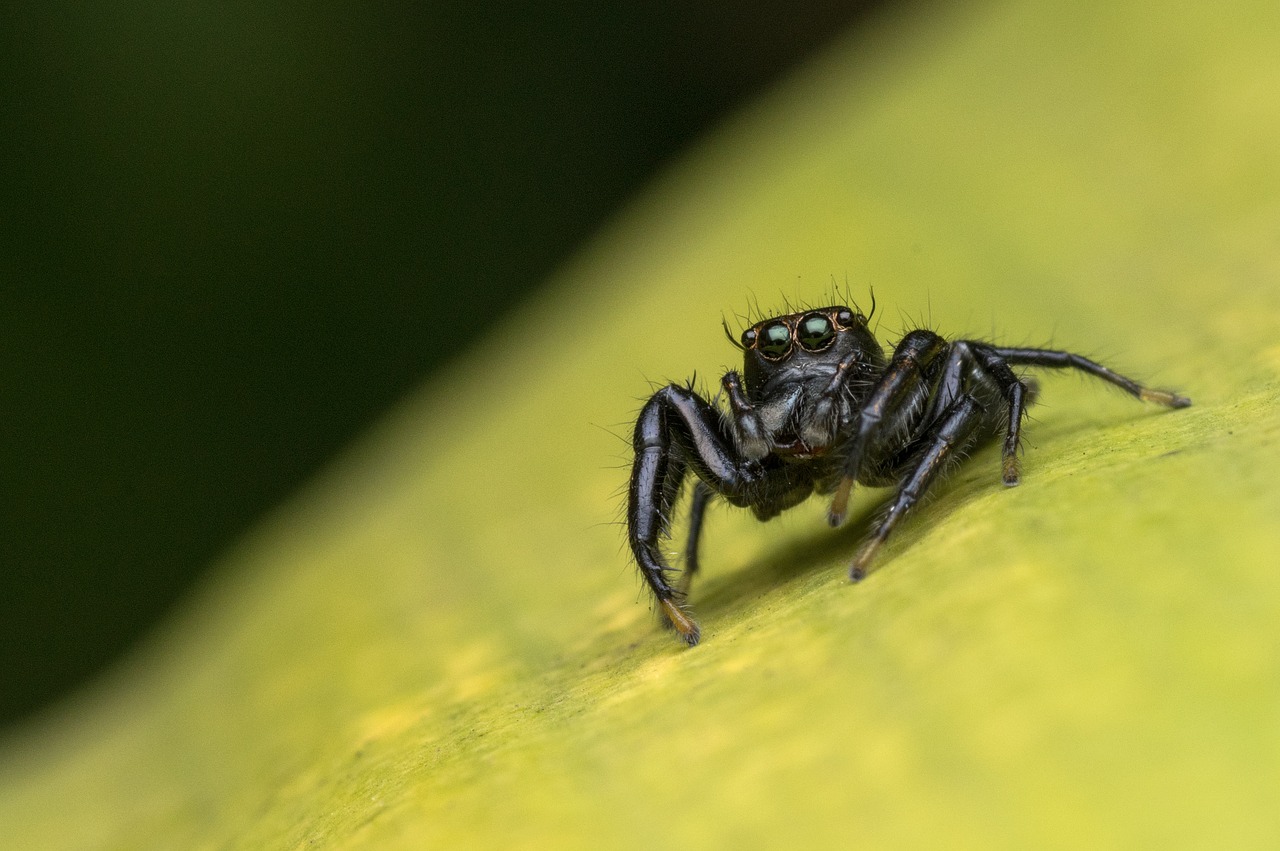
(789, 559)
(234, 233)
(798, 556)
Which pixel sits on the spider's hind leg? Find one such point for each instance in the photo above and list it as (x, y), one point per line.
(1069, 360)
(976, 368)
(1018, 395)
(996, 362)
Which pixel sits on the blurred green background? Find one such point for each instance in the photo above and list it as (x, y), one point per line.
(233, 233)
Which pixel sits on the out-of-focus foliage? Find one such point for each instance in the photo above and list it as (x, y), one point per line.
(442, 644)
(232, 233)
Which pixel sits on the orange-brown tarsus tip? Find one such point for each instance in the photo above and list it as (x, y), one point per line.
(685, 625)
(1011, 472)
(1164, 397)
(840, 502)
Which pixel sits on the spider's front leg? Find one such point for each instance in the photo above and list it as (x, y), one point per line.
(677, 431)
(942, 443)
(901, 387)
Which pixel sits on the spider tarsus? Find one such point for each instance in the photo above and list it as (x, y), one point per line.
(862, 561)
(685, 626)
(860, 568)
(1164, 397)
(1011, 473)
(839, 503)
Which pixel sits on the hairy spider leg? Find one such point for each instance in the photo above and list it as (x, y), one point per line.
(954, 376)
(970, 363)
(678, 430)
(1015, 392)
(655, 477)
(970, 357)
(897, 390)
(697, 510)
(945, 439)
(967, 360)
(1067, 360)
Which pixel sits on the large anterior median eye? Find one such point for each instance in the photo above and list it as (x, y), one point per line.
(774, 340)
(815, 332)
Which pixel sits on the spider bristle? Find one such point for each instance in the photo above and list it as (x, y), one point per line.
(754, 314)
(733, 338)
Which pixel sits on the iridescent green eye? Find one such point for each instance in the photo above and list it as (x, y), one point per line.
(815, 332)
(774, 340)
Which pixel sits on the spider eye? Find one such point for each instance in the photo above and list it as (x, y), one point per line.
(815, 332)
(774, 340)
(748, 338)
(844, 317)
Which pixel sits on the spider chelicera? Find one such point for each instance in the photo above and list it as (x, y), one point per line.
(816, 408)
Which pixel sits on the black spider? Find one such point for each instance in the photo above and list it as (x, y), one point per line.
(816, 408)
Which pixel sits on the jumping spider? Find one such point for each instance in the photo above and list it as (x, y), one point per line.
(817, 408)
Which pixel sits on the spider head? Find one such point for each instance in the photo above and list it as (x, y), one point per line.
(803, 348)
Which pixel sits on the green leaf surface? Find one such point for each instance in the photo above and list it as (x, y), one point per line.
(443, 644)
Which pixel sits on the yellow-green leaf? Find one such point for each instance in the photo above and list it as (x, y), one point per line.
(442, 643)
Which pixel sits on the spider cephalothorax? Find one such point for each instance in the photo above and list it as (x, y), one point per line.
(798, 378)
(816, 408)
